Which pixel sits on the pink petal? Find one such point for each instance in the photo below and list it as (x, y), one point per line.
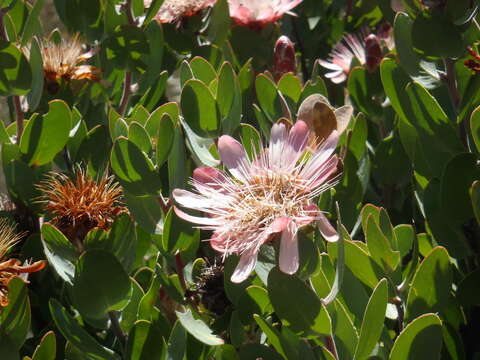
(321, 155)
(190, 200)
(312, 212)
(245, 266)
(325, 171)
(280, 224)
(196, 219)
(330, 65)
(288, 258)
(299, 136)
(207, 175)
(339, 79)
(233, 156)
(326, 229)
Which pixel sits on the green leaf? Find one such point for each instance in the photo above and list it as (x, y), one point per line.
(402, 31)
(421, 339)
(268, 97)
(99, 272)
(284, 291)
(94, 151)
(379, 246)
(291, 87)
(15, 72)
(362, 87)
(144, 342)
(60, 252)
(437, 36)
(314, 86)
(15, 317)
(337, 283)
(199, 108)
(138, 135)
(72, 331)
(165, 137)
(45, 136)
(254, 351)
(36, 62)
(359, 262)
(200, 146)
(372, 324)
(177, 162)
(125, 47)
(475, 127)
(219, 26)
(47, 349)
(455, 197)
(32, 22)
(178, 234)
(177, 342)
(198, 329)
(146, 210)
(129, 313)
(229, 98)
(147, 303)
(431, 285)
(405, 235)
(133, 168)
(155, 5)
(475, 196)
(202, 70)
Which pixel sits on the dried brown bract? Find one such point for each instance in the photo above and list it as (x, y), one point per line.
(12, 267)
(81, 204)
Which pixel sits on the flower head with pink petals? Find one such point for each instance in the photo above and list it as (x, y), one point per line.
(173, 10)
(256, 14)
(271, 193)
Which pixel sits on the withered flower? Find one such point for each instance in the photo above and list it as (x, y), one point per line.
(63, 61)
(12, 267)
(81, 204)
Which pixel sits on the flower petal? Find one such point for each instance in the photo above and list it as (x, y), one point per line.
(343, 115)
(299, 136)
(321, 155)
(245, 266)
(196, 219)
(326, 229)
(233, 156)
(289, 257)
(207, 175)
(190, 200)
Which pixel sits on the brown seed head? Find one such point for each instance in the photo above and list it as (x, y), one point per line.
(12, 268)
(81, 204)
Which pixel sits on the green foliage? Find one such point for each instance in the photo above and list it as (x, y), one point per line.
(146, 101)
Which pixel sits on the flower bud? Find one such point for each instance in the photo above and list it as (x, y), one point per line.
(373, 52)
(284, 57)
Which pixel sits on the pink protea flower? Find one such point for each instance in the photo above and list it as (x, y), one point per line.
(367, 51)
(258, 13)
(173, 10)
(260, 197)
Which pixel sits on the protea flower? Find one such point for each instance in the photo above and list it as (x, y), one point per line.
(62, 61)
(283, 57)
(173, 10)
(367, 51)
(80, 205)
(271, 193)
(256, 13)
(12, 267)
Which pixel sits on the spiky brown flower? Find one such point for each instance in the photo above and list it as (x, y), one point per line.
(173, 10)
(12, 267)
(82, 204)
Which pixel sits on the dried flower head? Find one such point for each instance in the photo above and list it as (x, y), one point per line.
(12, 267)
(256, 14)
(81, 204)
(173, 10)
(267, 194)
(62, 61)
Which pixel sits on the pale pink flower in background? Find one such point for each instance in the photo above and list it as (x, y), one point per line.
(257, 13)
(341, 57)
(173, 10)
(271, 193)
(366, 49)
